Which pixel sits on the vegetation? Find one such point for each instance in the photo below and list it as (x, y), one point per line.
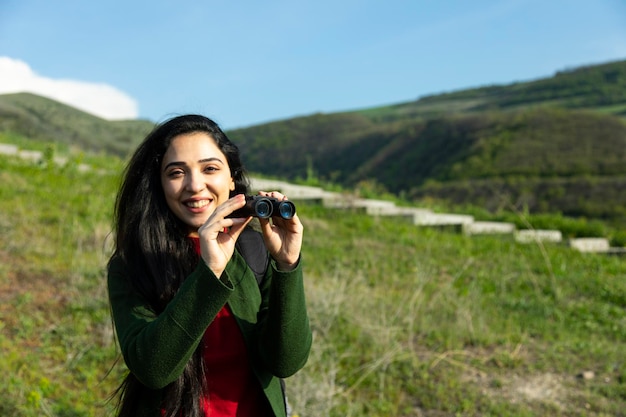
(48, 121)
(407, 321)
(595, 87)
(56, 336)
(556, 144)
(551, 145)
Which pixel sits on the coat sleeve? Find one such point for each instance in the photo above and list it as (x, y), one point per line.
(285, 336)
(157, 348)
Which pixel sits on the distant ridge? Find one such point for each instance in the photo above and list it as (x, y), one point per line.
(47, 120)
(549, 145)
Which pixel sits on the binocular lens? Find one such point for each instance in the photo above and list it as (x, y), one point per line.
(286, 209)
(263, 209)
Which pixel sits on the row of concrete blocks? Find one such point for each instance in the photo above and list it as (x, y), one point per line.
(426, 217)
(35, 156)
(417, 216)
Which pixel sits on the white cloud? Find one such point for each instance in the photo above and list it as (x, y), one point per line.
(99, 99)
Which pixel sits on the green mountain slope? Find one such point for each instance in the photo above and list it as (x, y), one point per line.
(436, 130)
(471, 147)
(44, 119)
(598, 87)
(545, 145)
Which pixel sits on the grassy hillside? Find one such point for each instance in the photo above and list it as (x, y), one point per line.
(462, 147)
(407, 321)
(556, 144)
(597, 87)
(542, 160)
(545, 161)
(46, 120)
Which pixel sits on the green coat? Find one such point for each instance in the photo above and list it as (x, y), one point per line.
(272, 317)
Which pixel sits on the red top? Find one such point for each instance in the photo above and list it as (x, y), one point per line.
(233, 389)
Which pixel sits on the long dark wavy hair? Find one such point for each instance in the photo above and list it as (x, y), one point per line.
(152, 242)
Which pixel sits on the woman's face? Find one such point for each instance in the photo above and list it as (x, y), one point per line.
(195, 177)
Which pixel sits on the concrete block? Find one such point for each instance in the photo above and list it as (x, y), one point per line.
(7, 149)
(590, 244)
(488, 228)
(530, 236)
(441, 219)
(339, 201)
(397, 211)
(34, 156)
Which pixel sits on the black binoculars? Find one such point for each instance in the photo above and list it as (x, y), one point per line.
(265, 207)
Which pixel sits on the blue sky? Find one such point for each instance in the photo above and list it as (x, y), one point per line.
(249, 62)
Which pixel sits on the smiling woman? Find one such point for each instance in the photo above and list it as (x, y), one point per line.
(194, 187)
(199, 334)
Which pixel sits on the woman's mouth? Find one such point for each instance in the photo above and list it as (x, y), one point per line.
(197, 203)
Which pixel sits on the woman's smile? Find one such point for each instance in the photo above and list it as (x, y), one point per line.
(197, 204)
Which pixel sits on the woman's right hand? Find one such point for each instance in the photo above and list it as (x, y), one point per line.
(219, 234)
(283, 237)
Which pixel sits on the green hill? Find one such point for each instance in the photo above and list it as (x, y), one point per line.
(537, 145)
(596, 87)
(556, 144)
(46, 120)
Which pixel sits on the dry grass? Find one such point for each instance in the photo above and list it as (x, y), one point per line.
(407, 322)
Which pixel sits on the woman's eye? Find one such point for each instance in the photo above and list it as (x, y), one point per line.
(175, 174)
(210, 169)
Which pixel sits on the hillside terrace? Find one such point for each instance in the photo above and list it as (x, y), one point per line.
(417, 216)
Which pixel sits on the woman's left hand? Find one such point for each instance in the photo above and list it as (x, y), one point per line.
(283, 237)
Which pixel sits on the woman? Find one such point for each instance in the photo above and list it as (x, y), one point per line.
(199, 334)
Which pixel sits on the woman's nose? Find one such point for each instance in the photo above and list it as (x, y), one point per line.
(195, 182)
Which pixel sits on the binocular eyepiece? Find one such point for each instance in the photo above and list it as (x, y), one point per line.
(265, 207)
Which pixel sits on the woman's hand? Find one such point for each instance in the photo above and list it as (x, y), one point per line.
(283, 238)
(219, 234)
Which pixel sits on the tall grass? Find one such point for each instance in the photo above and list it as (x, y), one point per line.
(56, 332)
(413, 321)
(407, 321)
